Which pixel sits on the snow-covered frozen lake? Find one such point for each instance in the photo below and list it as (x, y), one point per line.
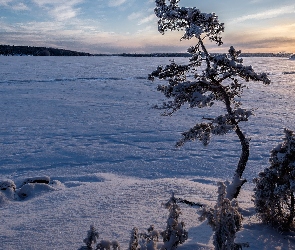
(93, 114)
(90, 119)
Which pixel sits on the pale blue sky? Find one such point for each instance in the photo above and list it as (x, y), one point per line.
(116, 26)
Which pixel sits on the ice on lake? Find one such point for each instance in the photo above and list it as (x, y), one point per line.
(94, 114)
(86, 120)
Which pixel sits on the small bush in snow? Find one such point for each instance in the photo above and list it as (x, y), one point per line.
(91, 240)
(175, 233)
(134, 239)
(107, 245)
(225, 220)
(205, 80)
(275, 186)
(149, 240)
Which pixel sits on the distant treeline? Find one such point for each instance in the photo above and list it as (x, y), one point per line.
(11, 50)
(189, 55)
(156, 55)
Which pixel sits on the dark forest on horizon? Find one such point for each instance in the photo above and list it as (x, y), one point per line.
(12, 50)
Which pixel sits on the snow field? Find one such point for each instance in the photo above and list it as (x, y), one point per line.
(88, 124)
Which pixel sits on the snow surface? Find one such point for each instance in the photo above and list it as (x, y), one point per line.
(87, 123)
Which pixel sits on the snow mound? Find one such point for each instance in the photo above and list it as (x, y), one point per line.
(44, 179)
(34, 189)
(30, 188)
(8, 184)
(7, 191)
(75, 181)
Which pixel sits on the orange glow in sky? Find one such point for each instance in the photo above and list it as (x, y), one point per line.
(130, 26)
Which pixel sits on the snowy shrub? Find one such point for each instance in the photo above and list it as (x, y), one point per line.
(275, 186)
(207, 79)
(144, 241)
(92, 236)
(225, 220)
(115, 245)
(91, 240)
(107, 245)
(175, 233)
(134, 239)
(148, 241)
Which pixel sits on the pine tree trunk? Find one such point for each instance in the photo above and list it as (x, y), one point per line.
(234, 188)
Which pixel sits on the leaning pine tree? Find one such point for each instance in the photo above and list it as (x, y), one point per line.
(216, 78)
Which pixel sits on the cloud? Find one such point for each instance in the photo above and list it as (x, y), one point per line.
(67, 30)
(20, 6)
(255, 1)
(59, 9)
(268, 44)
(10, 4)
(57, 2)
(140, 17)
(147, 19)
(267, 14)
(135, 15)
(64, 12)
(115, 3)
(5, 2)
(274, 38)
(87, 37)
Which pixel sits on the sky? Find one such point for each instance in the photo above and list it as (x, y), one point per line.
(130, 26)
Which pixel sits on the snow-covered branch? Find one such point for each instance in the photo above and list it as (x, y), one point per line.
(191, 20)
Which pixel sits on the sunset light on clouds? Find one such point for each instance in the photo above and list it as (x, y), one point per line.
(118, 26)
